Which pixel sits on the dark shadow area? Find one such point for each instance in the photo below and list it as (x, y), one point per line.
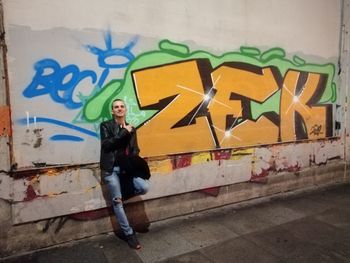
(136, 214)
(135, 211)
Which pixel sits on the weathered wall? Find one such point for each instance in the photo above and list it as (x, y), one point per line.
(239, 92)
(345, 71)
(194, 87)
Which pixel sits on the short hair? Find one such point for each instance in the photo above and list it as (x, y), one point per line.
(115, 101)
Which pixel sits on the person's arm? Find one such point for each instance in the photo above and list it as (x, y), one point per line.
(109, 141)
(135, 150)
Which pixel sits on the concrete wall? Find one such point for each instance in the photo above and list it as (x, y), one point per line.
(223, 96)
(345, 71)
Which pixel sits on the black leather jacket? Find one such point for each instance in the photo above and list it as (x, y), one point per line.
(115, 141)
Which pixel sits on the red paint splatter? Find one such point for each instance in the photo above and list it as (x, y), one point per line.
(293, 169)
(181, 161)
(92, 215)
(213, 191)
(30, 193)
(260, 178)
(222, 155)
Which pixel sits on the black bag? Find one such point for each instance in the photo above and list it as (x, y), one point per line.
(134, 166)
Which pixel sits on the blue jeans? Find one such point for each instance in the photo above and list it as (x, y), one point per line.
(113, 183)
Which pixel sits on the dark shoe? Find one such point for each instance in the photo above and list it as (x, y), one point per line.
(132, 241)
(120, 235)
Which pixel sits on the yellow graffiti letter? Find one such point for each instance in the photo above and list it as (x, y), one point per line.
(174, 90)
(235, 83)
(301, 117)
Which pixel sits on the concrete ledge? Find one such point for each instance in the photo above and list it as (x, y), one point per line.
(25, 237)
(277, 183)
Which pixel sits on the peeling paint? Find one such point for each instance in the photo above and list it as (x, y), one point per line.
(325, 151)
(199, 158)
(30, 193)
(32, 190)
(239, 154)
(294, 169)
(181, 161)
(49, 189)
(262, 163)
(222, 155)
(68, 181)
(261, 177)
(292, 157)
(5, 122)
(161, 166)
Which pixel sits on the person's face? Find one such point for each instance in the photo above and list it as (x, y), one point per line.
(118, 109)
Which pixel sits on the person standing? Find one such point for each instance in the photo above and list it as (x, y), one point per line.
(119, 141)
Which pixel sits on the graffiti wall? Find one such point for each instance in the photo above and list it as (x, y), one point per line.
(215, 102)
(181, 97)
(179, 100)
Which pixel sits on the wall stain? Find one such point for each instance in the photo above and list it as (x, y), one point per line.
(39, 137)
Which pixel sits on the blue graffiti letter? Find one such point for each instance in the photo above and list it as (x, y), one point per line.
(52, 82)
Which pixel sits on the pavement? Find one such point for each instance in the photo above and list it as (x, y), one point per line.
(308, 226)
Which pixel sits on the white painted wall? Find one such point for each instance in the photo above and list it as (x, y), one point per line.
(299, 25)
(42, 29)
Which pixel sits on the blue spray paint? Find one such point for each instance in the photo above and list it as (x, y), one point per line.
(50, 78)
(64, 137)
(124, 54)
(53, 83)
(59, 123)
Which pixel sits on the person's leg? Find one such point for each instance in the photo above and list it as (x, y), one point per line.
(141, 185)
(113, 184)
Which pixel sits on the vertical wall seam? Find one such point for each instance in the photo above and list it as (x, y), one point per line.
(344, 66)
